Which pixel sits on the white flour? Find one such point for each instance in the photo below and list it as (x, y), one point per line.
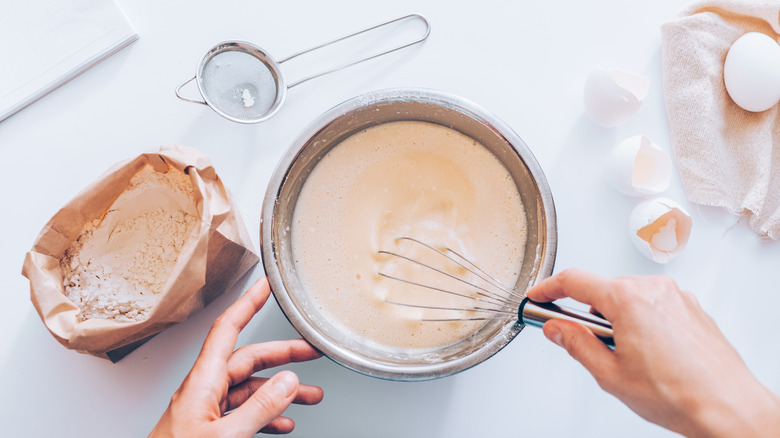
(246, 96)
(121, 261)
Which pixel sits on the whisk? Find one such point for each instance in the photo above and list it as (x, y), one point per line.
(489, 299)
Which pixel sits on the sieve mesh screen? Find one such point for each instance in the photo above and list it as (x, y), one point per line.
(239, 84)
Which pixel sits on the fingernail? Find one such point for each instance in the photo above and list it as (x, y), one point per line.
(554, 334)
(285, 383)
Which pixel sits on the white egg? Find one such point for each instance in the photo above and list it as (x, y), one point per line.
(612, 96)
(639, 167)
(752, 72)
(660, 229)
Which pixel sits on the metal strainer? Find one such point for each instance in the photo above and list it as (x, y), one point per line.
(243, 83)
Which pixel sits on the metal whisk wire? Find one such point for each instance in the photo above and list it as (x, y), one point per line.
(485, 295)
(479, 271)
(527, 312)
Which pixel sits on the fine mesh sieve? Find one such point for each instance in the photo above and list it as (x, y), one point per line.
(243, 83)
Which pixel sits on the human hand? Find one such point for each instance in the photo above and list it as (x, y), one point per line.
(671, 364)
(221, 381)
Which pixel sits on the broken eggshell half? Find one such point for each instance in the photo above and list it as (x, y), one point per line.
(660, 228)
(612, 96)
(639, 167)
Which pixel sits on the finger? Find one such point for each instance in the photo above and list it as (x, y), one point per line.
(222, 337)
(595, 312)
(583, 346)
(265, 404)
(252, 358)
(582, 286)
(307, 394)
(279, 426)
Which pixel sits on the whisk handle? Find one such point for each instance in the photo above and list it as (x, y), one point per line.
(536, 314)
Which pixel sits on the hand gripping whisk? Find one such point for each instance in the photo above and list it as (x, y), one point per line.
(490, 298)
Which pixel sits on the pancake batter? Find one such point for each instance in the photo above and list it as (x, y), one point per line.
(398, 179)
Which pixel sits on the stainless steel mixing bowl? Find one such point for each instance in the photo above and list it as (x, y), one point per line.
(329, 130)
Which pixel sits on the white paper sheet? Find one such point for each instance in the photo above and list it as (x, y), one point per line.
(46, 43)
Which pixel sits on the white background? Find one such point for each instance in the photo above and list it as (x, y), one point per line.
(524, 61)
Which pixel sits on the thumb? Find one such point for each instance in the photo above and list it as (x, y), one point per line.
(582, 345)
(265, 404)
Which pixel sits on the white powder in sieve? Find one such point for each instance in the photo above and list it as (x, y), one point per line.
(246, 96)
(120, 262)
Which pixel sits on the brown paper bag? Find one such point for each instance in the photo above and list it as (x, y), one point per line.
(216, 254)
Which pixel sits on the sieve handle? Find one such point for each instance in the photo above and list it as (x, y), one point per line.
(536, 314)
(187, 99)
(376, 55)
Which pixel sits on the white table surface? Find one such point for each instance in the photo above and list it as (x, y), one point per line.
(524, 61)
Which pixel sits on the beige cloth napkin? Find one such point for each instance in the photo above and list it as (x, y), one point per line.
(727, 157)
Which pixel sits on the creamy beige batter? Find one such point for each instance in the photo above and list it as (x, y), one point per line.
(398, 179)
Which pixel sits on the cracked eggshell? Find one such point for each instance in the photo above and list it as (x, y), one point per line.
(639, 167)
(660, 228)
(612, 96)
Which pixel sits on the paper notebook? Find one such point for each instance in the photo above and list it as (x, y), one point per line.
(46, 43)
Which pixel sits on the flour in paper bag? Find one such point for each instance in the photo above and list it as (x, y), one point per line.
(121, 261)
